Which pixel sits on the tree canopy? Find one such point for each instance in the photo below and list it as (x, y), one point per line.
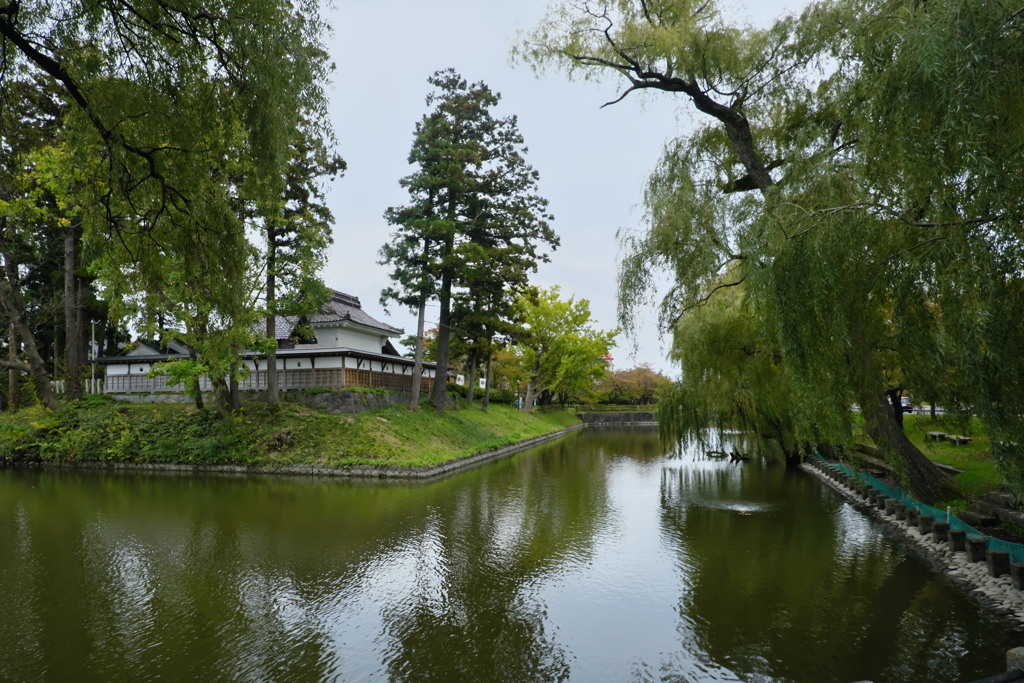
(561, 350)
(475, 226)
(841, 223)
(178, 124)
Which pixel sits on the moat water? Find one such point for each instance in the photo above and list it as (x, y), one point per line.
(598, 557)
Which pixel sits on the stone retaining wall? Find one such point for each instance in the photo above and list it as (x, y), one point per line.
(339, 401)
(618, 418)
(392, 472)
(997, 594)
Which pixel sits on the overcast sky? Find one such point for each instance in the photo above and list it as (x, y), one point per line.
(592, 162)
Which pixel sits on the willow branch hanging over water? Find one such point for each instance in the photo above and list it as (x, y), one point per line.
(841, 224)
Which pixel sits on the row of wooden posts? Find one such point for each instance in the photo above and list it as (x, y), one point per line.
(89, 386)
(997, 561)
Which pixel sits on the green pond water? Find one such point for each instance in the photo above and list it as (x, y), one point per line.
(594, 558)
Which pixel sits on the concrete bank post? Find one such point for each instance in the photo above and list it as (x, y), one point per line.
(1015, 659)
(1017, 575)
(940, 532)
(912, 517)
(880, 501)
(998, 562)
(924, 524)
(890, 506)
(976, 548)
(957, 540)
(901, 511)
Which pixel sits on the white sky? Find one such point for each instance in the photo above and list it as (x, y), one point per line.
(593, 162)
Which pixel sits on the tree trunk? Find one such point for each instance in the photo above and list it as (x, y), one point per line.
(235, 394)
(440, 390)
(927, 482)
(13, 303)
(228, 397)
(896, 406)
(197, 392)
(417, 367)
(471, 390)
(272, 389)
(487, 382)
(531, 389)
(72, 326)
(12, 374)
(58, 351)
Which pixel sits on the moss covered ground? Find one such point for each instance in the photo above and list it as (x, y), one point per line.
(100, 429)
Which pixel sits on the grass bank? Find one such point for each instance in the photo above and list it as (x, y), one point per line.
(975, 459)
(100, 429)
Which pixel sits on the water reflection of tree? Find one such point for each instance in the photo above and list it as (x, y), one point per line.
(776, 588)
(474, 616)
(141, 577)
(204, 578)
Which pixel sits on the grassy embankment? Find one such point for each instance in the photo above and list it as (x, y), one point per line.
(975, 459)
(100, 429)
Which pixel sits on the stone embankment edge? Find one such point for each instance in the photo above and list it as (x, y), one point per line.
(390, 472)
(996, 594)
(613, 419)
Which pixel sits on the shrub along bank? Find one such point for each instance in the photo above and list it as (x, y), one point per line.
(100, 429)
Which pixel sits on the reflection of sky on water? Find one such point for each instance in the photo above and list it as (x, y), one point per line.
(596, 559)
(856, 534)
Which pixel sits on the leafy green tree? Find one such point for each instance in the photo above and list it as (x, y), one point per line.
(846, 204)
(180, 114)
(639, 385)
(39, 239)
(296, 244)
(475, 224)
(506, 238)
(559, 346)
(447, 148)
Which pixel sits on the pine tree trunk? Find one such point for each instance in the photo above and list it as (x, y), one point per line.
(440, 390)
(272, 390)
(927, 482)
(72, 320)
(417, 367)
(487, 383)
(471, 390)
(12, 374)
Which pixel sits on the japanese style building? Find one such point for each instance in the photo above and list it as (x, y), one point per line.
(341, 345)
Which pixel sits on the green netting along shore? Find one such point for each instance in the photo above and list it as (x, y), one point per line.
(1015, 550)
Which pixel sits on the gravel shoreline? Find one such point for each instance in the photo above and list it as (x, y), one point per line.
(996, 594)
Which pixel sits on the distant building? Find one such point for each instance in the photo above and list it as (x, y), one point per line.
(340, 345)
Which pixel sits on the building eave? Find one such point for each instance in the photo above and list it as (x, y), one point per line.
(281, 353)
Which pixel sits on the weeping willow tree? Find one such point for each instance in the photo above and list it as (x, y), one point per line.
(841, 222)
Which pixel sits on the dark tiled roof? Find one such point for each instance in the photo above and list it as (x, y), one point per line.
(346, 307)
(341, 308)
(157, 348)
